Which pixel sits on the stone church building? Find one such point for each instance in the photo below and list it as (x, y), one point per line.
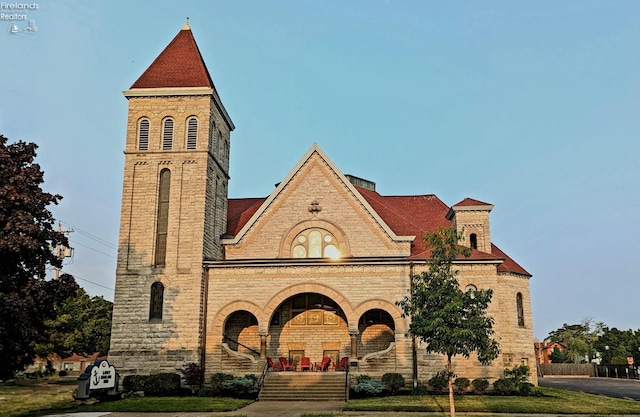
(314, 269)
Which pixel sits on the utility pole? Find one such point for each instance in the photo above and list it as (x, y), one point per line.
(61, 251)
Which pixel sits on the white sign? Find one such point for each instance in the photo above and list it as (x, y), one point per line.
(103, 376)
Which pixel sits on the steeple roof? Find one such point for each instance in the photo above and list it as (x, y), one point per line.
(180, 64)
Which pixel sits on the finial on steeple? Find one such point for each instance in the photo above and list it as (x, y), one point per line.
(186, 25)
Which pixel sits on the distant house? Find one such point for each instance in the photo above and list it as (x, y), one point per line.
(78, 363)
(545, 348)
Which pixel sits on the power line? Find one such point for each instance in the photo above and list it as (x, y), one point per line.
(91, 282)
(91, 236)
(89, 247)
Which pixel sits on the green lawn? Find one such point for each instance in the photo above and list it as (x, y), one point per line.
(553, 401)
(32, 398)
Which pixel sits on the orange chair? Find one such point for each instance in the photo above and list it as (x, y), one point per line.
(286, 366)
(305, 364)
(324, 365)
(343, 365)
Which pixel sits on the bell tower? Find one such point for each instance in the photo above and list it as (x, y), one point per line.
(174, 210)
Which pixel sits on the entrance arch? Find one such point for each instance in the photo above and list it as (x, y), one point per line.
(308, 324)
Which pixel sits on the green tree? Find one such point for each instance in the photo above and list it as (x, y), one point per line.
(26, 235)
(578, 338)
(82, 324)
(448, 320)
(618, 343)
(559, 356)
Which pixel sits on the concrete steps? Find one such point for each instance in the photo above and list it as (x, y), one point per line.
(303, 386)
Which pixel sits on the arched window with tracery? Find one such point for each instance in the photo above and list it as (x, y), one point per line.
(156, 302)
(315, 243)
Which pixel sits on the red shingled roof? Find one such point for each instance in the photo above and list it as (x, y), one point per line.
(239, 212)
(405, 215)
(180, 64)
(470, 202)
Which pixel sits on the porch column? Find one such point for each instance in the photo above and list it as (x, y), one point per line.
(263, 345)
(354, 345)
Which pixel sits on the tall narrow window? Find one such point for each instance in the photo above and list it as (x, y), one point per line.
(163, 217)
(143, 135)
(520, 310)
(157, 299)
(220, 141)
(473, 240)
(192, 133)
(167, 134)
(212, 134)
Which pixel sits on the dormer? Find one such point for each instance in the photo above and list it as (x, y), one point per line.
(471, 218)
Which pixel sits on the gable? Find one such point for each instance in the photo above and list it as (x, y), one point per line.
(315, 194)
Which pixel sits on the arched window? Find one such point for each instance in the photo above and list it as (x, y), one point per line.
(155, 304)
(473, 240)
(192, 133)
(167, 134)
(212, 134)
(143, 135)
(520, 308)
(315, 243)
(162, 226)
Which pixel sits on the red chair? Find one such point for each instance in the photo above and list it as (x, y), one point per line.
(324, 365)
(272, 366)
(343, 365)
(286, 366)
(305, 364)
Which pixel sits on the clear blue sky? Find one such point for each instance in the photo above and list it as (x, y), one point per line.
(531, 106)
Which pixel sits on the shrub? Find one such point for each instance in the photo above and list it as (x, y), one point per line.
(461, 384)
(193, 374)
(216, 382)
(515, 382)
(393, 381)
(504, 386)
(439, 382)
(134, 383)
(241, 387)
(479, 385)
(362, 378)
(62, 373)
(162, 385)
(205, 392)
(369, 388)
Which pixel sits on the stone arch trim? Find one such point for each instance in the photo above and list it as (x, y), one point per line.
(221, 316)
(343, 302)
(335, 230)
(392, 309)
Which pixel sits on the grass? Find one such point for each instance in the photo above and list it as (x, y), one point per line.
(167, 404)
(39, 397)
(32, 398)
(35, 396)
(553, 401)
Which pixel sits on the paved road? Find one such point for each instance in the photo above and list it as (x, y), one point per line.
(618, 388)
